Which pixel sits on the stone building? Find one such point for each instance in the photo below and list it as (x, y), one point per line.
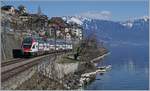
(20, 20)
(57, 24)
(8, 9)
(34, 22)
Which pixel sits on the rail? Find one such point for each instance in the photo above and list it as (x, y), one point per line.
(15, 68)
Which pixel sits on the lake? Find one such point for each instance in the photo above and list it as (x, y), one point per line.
(130, 69)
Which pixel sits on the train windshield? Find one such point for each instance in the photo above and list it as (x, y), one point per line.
(26, 46)
(28, 40)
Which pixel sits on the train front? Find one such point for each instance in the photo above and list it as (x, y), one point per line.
(29, 47)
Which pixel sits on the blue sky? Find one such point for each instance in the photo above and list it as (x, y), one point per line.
(114, 10)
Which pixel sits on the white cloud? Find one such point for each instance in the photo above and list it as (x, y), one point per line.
(105, 15)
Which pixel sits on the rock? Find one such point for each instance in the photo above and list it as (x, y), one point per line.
(65, 85)
(68, 87)
(87, 79)
(80, 85)
(75, 83)
(99, 70)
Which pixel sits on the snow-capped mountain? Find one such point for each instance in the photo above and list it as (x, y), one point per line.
(136, 22)
(146, 18)
(76, 19)
(72, 19)
(127, 24)
(131, 30)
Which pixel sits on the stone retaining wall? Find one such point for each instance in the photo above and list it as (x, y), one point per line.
(9, 41)
(47, 67)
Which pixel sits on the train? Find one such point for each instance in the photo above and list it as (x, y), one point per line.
(34, 46)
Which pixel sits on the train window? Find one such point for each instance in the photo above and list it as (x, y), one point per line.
(26, 46)
(33, 46)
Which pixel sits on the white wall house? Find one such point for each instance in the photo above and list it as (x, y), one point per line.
(77, 32)
(68, 37)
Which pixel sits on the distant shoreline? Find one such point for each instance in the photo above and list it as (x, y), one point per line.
(100, 57)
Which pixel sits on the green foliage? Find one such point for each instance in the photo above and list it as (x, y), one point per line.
(67, 59)
(47, 34)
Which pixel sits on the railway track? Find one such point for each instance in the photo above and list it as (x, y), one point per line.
(10, 69)
(13, 61)
(15, 70)
(17, 60)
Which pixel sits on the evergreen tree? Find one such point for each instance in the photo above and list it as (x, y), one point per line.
(22, 9)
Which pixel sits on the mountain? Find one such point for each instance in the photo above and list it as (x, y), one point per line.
(136, 30)
(77, 19)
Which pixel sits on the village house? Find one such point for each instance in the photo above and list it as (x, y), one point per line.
(76, 30)
(8, 9)
(21, 20)
(67, 31)
(57, 25)
(68, 37)
(34, 22)
(9, 18)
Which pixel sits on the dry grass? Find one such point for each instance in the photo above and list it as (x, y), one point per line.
(67, 59)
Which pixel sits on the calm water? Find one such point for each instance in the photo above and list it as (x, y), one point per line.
(129, 69)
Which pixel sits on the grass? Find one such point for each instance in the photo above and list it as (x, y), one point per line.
(67, 59)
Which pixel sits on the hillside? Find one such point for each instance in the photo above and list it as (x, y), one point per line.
(9, 41)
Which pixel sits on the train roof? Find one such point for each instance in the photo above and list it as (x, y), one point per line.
(51, 41)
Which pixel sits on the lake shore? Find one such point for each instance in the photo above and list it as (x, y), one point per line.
(100, 57)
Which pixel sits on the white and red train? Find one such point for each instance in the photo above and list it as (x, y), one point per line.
(34, 46)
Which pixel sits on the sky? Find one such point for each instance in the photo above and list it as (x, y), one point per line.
(112, 10)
